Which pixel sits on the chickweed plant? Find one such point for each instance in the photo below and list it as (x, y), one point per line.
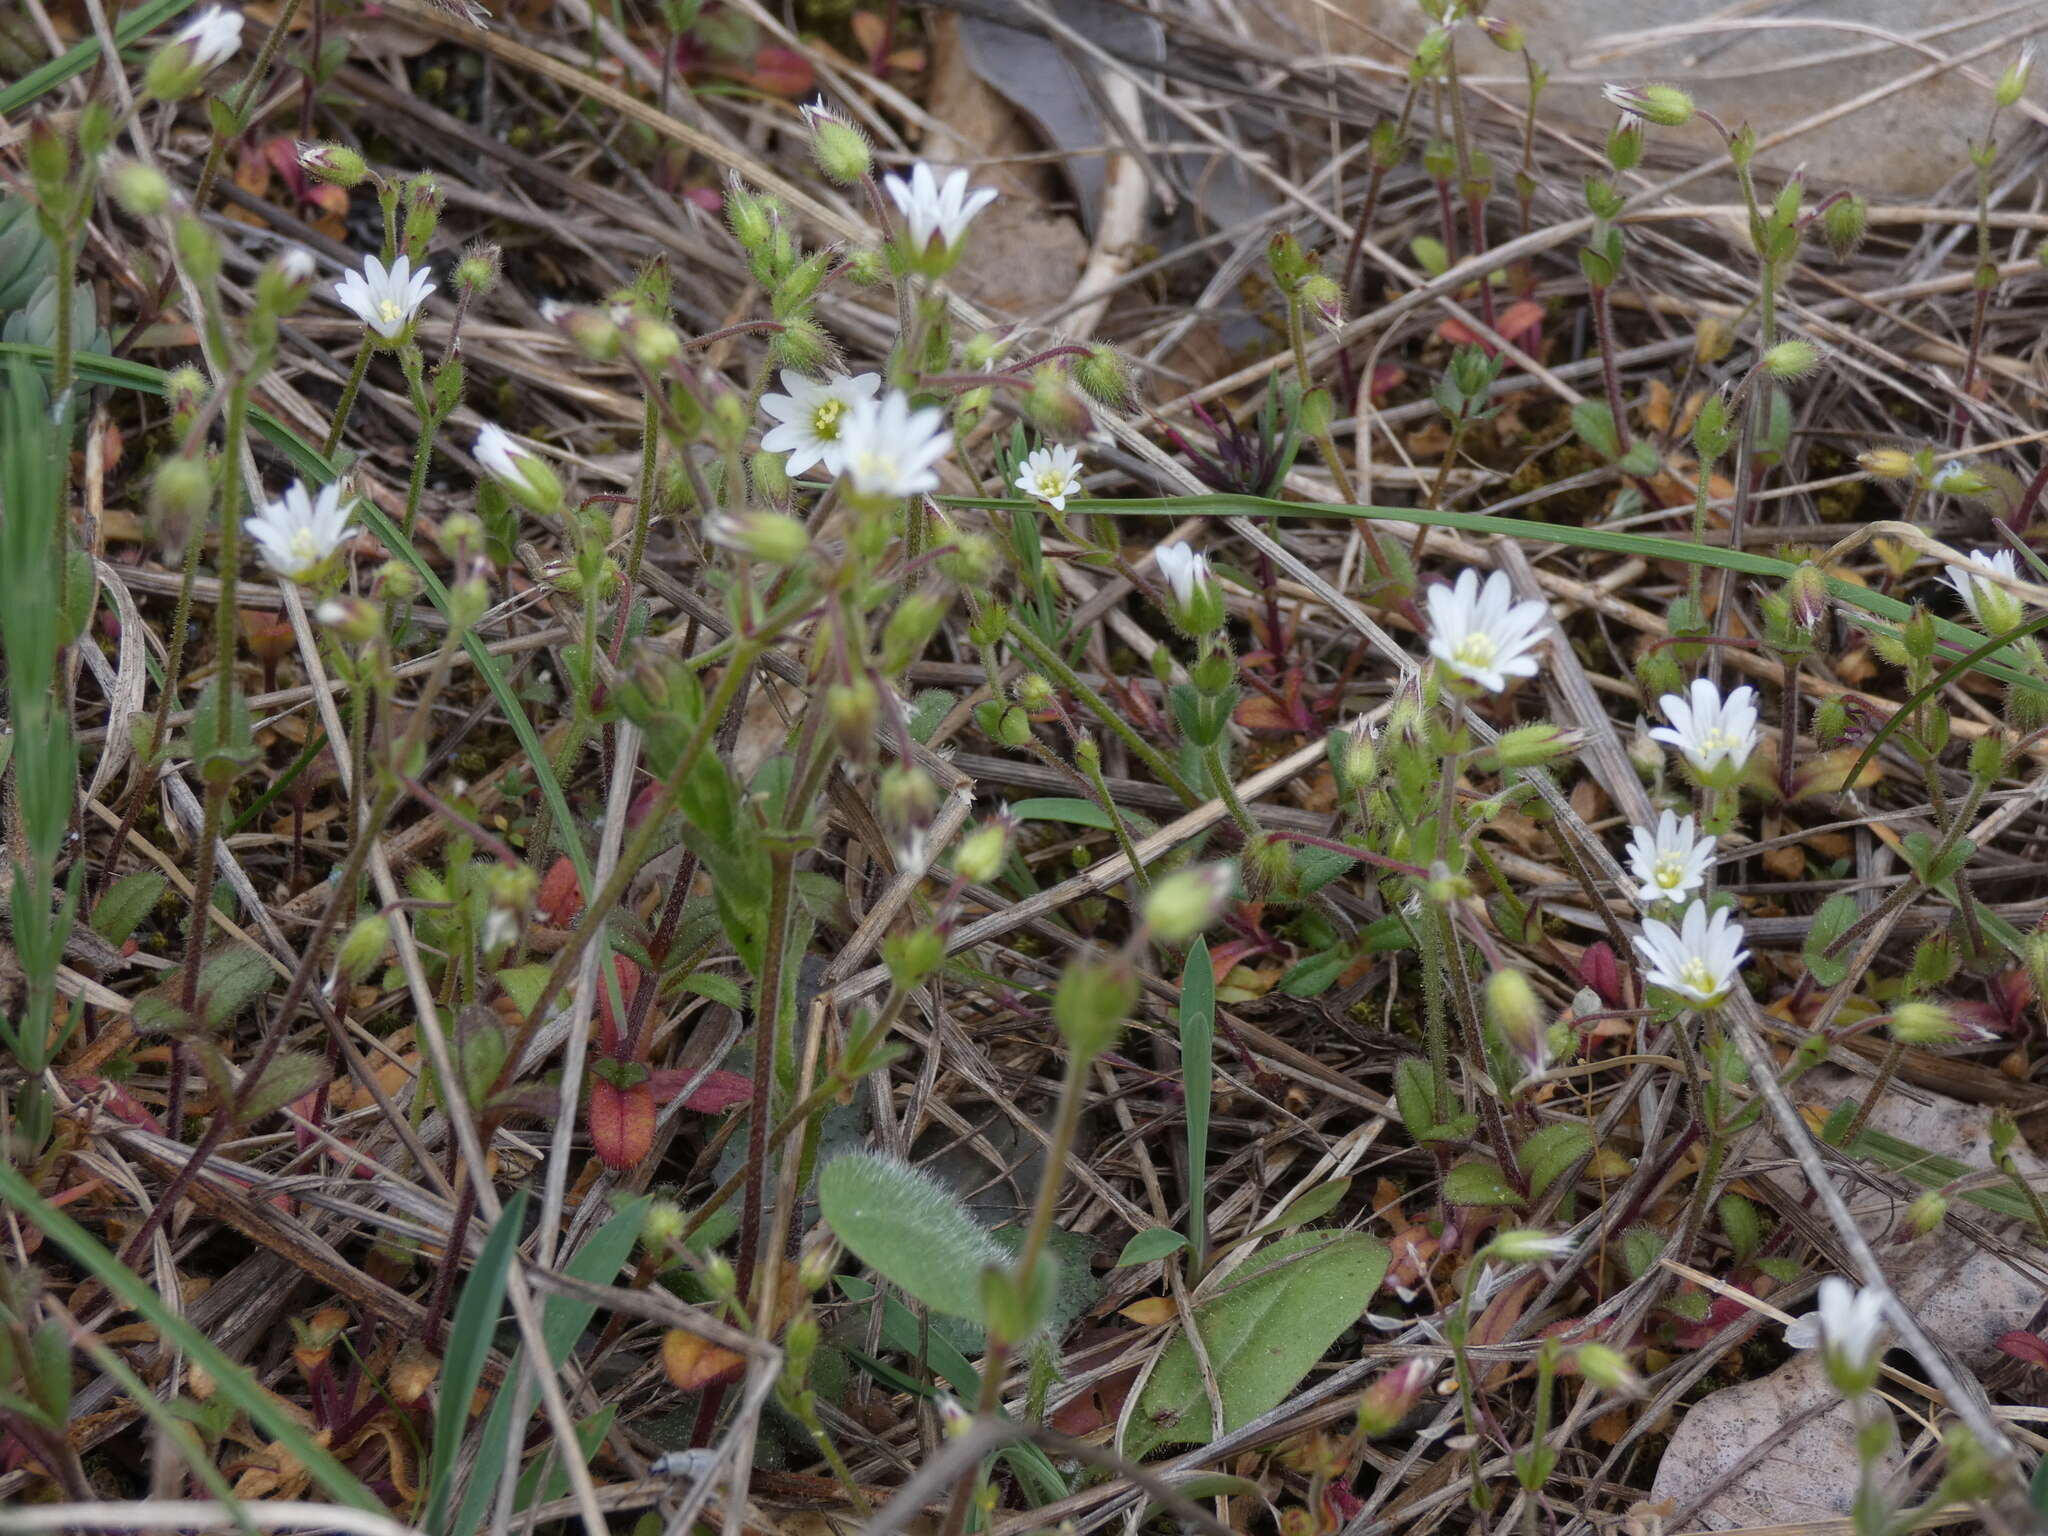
(632, 808)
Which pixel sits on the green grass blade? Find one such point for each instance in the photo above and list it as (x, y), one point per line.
(1934, 686)
(231, 1379)
(79, 58)
(562, 1321)
(469, 1342)
(1198, 1082)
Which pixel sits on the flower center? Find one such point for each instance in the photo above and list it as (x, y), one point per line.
(1698, 978)
(1477, 649)
(304, 548)
(1051, 483)
(390, 311)
(1718, 740)
(825, 420)
(1669, 872)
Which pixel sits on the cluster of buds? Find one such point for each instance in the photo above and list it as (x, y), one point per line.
(1299, 276)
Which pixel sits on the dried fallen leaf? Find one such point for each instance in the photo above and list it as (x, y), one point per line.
(693, 1363)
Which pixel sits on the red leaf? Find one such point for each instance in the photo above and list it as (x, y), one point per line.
(621, 1123)
(717, 1093)
(1599, 970)
(1520, 325)
(561, 896)
(1386, 378)
(2021, 1345)
(119, 1103)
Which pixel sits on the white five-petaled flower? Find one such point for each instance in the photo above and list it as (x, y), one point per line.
(297, 532)
(1051, 475)
(1672, 861)
(1993, 607)
(1186, 570)
(935, 210)
(811, 418)
(1707, 729)
(1848, 1329)
(1482, 634)
(385, 300)
(214, 36)
(1699, 959)
(887, 449)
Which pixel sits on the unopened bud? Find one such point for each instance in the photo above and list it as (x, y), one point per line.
(853, 708)
(1806, 595)
(2012, 85)
(477, 273)
(773, 538)
(1384, 1405)
(1887, 463)
(1104, 377)
(362, 948)
(180, 496)
(982, 852)
(335, 164)
(142, 191)
(661, 1228)
(1095, 997)
(1184, 903)
(1927, 1211)
(1665, 105)
(1791, 359)
(1713, 338)
(352, 621)
(1843, 224)
(1607, 1368)
(841, 150)
(1507, 36)
(1922, 1024)
(1517, 1014)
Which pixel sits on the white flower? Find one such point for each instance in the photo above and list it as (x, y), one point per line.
(1480, 633)
(933, 210)
(1051, 475)
(1622, 97)
(888, 449)
(811, 418)
(501, 455)
(1710, 729)
(1700, 959)
(297, 533)
(1186, 570)
(1992, 606)
(1672, 861)
(383, 300)
(214, 36)
(1847, 1328)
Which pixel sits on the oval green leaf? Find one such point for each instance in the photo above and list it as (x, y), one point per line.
(910, 1229)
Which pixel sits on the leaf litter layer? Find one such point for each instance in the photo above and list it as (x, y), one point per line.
(1213, 1069)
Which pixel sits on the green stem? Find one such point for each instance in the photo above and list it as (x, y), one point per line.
(767, 1032)
(1219, 773)
(1091, 769)
(265, 56)
(1055, 665)
(348, 397)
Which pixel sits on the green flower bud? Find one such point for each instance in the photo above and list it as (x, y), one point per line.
(980, 856)
(973, 560)
(362, 948)
(841, 150)
(906, 801)
(1791, 359)
(1607, 1368)
(142, 191)
(477, 273)
(910, 629)
(1922, 1024)
(1926, 1212)
(1187, 901)
(352, 621)
(1843, 224)
(913, 956)
(180, 497)
(1517, 1014)
(1094, 998)
(1034, 691)
(2012, 85)
(335, 164)
(661, 1226)
(853, 709)
(1105, 377)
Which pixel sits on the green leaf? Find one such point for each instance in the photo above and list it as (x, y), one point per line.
(928, 712)
(590, 1435)
(1479, 1182)
(910, 1229)
(1829, 924)
(562, 1321)
(1550, 1151)
(1078, 813)
(1262, 1335)
(290, 1075)
(469, 1342)
(1198, 1085)
(720, 989)
(232, 1379)
(1198, 1486)
(1739, 1219)
(522, 983)
(1595, 425)
(1152, 1243)
(116, 915)
(1310, 1205)
(229, 980)
(1313, 976)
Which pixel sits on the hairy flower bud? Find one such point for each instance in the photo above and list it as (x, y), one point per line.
(335, 164)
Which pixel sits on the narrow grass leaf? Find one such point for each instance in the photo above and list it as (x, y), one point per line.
(469, 1342)
(1198, 1083)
